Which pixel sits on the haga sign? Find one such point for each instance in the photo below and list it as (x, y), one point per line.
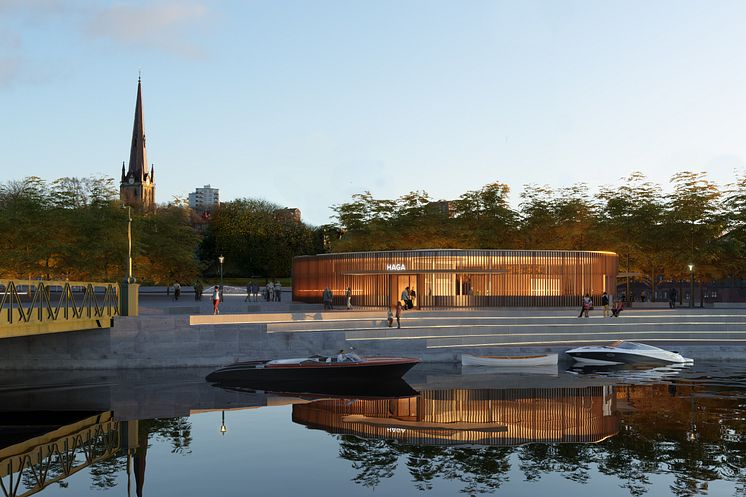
(396, 267)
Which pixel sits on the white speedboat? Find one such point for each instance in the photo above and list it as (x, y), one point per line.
(621, 352)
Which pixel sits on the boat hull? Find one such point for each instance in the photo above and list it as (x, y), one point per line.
(607, 358)
(526, 361)
(368, 371)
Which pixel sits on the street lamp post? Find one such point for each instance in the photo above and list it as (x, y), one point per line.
(691, 285)
(223, 428)
(221, 259)
(128, 304)
(130, 279)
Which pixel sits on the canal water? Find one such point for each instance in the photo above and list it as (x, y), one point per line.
(447, 431)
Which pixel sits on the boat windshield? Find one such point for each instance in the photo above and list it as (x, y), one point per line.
(633, 346)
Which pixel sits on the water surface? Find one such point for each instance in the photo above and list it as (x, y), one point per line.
(471, 432)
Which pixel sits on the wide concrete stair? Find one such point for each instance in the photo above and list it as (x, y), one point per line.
(454, 329)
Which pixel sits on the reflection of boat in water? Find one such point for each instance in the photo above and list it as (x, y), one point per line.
(509, 361)
(621, 352)
(384, 389)
(630, 372)
(501, 417)
(342, 369)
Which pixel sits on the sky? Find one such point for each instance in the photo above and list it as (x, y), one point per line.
(304, 103)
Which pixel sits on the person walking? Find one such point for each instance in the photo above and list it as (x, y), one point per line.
(348, 297)
(605, 303)
(326, 298)
(177, 291)
(412, 297)
(249, 288)
(672, 298)
(216, 300)
(198, 288)
(398, 313)
(390, 317)
(586, 306)
(278, 291)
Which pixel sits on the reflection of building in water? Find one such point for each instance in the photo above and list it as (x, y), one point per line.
(53, 454)
(483, 416)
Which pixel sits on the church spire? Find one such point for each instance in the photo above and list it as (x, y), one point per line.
(137, 187)
(138, 156)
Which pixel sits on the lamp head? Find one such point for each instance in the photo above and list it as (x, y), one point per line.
(691, 267)
(221, 259)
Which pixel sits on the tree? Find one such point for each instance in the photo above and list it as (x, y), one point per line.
(256, 239)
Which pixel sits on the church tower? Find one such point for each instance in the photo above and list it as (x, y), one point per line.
(137, 187)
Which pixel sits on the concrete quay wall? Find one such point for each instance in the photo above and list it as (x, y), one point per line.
(159, 341)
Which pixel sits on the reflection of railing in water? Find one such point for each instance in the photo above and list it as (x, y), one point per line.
(483, 416)
(35, 307)
(31, 466)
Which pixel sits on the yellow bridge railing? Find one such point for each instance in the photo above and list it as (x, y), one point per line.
(28, 467)
(38, 307)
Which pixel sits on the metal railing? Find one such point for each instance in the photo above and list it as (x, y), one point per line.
(34, 307)
(29, 467)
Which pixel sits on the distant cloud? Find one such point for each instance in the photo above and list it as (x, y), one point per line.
(171, 26)
(163, 25)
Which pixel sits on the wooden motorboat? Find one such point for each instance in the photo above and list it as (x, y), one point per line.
(512, 361)
(343, 368)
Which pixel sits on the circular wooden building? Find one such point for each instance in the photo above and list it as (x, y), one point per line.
(457, 278)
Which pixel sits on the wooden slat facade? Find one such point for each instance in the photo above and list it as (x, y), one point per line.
(458, 278)
(548, 415)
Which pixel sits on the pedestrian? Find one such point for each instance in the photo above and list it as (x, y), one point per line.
(177, 291)
(618, 308)
(412, 297)
(198, 290)
(643, 296)
(326, 298)
(216, 297)
(586, 306)
(348, 296)
(398, 314)
(672, 298)
(269, 289)
(278, 291)
(390, 318)
(605, 303)
(249, 287)
(405, 298)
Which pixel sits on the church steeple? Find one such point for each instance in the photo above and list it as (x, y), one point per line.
(138, 156)
(137, 187)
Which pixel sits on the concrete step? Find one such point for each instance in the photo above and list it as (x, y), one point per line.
(589, 337)
(442, 324)
(615, 331)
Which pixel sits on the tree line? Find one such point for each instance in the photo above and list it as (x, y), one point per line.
(76, 229)
(656, 233)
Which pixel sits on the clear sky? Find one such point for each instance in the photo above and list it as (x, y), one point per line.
(304, 103)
